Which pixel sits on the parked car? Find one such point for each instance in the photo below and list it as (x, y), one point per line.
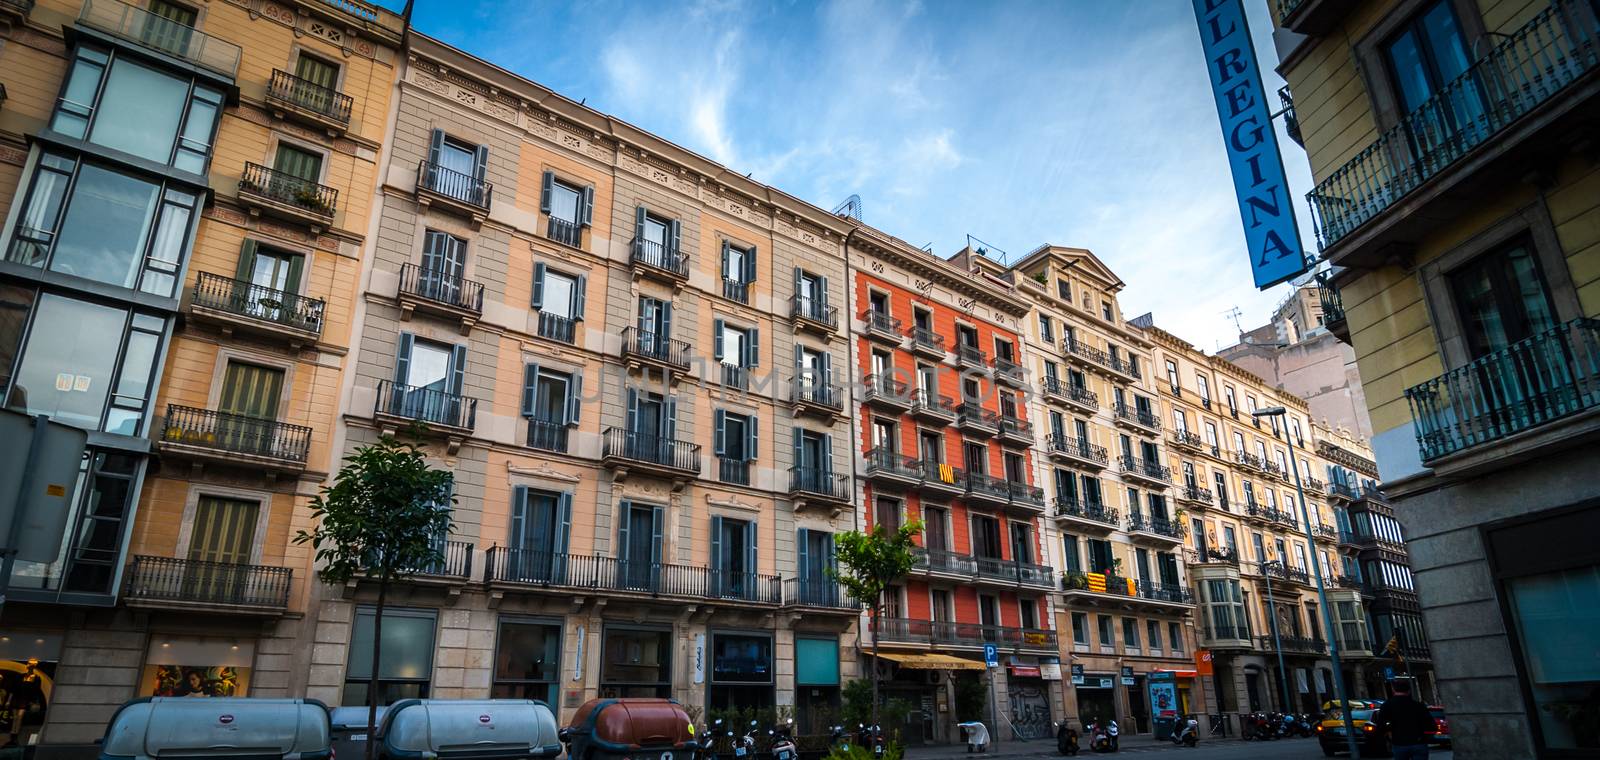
(1370, 741)
(1440, 735)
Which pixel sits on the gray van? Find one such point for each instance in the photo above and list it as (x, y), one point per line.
(218, 727)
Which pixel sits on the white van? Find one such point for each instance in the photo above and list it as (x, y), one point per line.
(218, 727)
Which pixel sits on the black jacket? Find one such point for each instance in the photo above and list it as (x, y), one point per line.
(1406, 720)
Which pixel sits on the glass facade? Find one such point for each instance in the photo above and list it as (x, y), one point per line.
(405, 663)
(527, 661)
(118, 103)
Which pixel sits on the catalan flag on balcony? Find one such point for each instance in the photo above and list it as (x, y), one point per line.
(1097, 582)
(947, 473)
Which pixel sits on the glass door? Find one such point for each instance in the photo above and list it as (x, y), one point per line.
(444, 260)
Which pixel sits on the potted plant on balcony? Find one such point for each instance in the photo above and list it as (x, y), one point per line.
(309, 199)
(379, 520)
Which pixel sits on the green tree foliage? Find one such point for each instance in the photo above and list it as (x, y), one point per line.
(972, 698)
(868, 563)
(383, 518)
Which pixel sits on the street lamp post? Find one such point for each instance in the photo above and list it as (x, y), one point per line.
(1322, 591)
(1277, 643)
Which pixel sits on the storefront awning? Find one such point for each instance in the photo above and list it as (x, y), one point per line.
(930, 661)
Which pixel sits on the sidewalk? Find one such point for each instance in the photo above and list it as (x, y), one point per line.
(1040, 747)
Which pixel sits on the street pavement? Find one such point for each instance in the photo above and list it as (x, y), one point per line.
(1223, 749)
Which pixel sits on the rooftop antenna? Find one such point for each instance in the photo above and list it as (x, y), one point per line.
(850, 208)
(1233, 314)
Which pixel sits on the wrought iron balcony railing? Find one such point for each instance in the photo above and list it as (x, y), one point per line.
(548, 569)
(825, 593)
(819, 481)
(547, 435)
(971, 355)
(1530, 383)
(557, 327)
(657, 256)
(802, 391)
(969, 635)
(161, 34)
(1292, 644)
(453, 185)
(922, 337)
(1007, 369)
(236, 434)
(649, 448)
(981, 485)
(1015, 426)
(428, 405)
(1187, 439)
(307, 95)
(454, 561)
(565, 232)
(1098, 582)
(451, 290)
(1025, 494)
(1076, 393)
(887, 462)
(1137, 416)
(1195, 494)
(1527, 68)
(1164, 592)
(1249, 460)
(198, 582)
(1214, 555)
(1284, 572)
(735, 290)
(881, 323)
(1087, 510)
(247, 299)
(813, 310)
(288, 190)
(1146, 469)
(655, 347)
(926, 403)
(970, 414)
(1159, 526)
(735, 471)
(1077, 448)
(361, 10)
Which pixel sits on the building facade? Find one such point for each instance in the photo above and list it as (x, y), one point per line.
(1455, 203)
(187, 192)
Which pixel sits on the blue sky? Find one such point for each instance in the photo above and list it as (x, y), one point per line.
(1080, 122)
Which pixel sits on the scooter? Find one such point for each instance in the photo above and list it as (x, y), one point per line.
(1066, 739)
(783, 747)
(708, 740)
(746, 746)
(1187, 732)
(1101, 738)
(838, 737)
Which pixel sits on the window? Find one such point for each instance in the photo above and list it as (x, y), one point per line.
(111, 227)
(975, 457)
(1233, 406)
(406, 658)
(735, 445)
(429, 378)
(559, 298)
(1180, 421)
(737, 349)
(967, 335)
(1107, 638)
(1105, 311)
(120, 103)
(319, 72)
(1427, 55)
(456, 170)
(733, 557)
(1080, 628)
(1221, 481)
(1047, 329)
(1204, 388)
(1501, 298)
(1064, 290)
(811, 295)
(298, 163)
(887, 514)
(1152, 631)
(636, 663)
(1130, 633)
(444, 260)
(1172, 376)
(1069, 548)
(877, 301)
(1211, 435)
(657, 239)
(551, 403)
(1238, 442)
(1260, 547)
(1028, 611)
(527, 660)
(83, 364)
(569, 208)
(986, 537)
(738, 271)
(541, 527)
(1175, 636)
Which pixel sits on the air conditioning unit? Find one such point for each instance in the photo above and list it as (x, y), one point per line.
(935, 677)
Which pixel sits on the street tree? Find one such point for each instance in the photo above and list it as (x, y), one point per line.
(384, 519)
(868, 564)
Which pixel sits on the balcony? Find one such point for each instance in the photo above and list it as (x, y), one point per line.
(1015, 429)
(16, 9)
(1270, 514)
(1076, 451)
(1188, 441)
(1191, 494)
(279, 194)
(1169, 593)
(1141, 420)
(1009, 372)
(626, 450)
(886, 467)
(548, 435)
(884, 393)
(927, 343)
(1026, 497)
(1325, 533)
(1525, 386)
(441, 412)
(813, 314)
(310, 102)
(1225, 636)
(1146, 471)
(1292, 644)
(1341, 491)
(733, 471)
(232, 439)
(1214, 556)
(1333, 316)
(1349, 582)
(972, 418)
(1278, 571)
(640, 347)
(196, 585)
(1007, 572)
(162, 35)
(240, 305)
(985, 491)
(509, 570)
(819, 594)
(444, 294)
(971, 357)
(1090, 585)
(974, 636)
(816, 399)
(882, 327)
(1477, 132)
(1247, 459)
(737, 291)
(927, 406)
(1150, 529)
(567, 233)
(1090, 517)
(1076, 395)
(1274, 471)
(945, 563)
(557, 328)
(653, 258)
(816, 485)
(1311, 17)
(453, 567)
(944, 478)
(463, 193)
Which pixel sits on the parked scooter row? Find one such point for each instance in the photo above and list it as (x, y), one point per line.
(1261, 726)
(717, 742)
(1103, 737)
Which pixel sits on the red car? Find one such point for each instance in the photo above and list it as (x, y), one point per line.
(1440, 735)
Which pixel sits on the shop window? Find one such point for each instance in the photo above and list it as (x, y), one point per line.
(636, 663)
(122, 104)
(527, 661)
(28, 661)
(406, 660)
(195, 666)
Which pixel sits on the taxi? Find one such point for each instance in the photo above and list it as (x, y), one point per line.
(1330, 732)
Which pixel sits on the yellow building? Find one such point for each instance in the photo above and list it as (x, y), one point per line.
(188, 189)
(1457, 202)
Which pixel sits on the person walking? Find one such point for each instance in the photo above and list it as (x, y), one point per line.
(1406, 722)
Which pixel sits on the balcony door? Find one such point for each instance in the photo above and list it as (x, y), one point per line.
(169, 27)
(320, 73)
(1426, 58)
(733, 557)
(1100, 558)
(936, 529)
(815, 563)
(1502, 298)
(221, 539)
(541, 523)
(811, 368)
(655, 325)
(298, 163)
(1141, 560)
(1022, 542)
(431, 376)
(249, 403)
(272, 274)
(639, 546)
(989, 616)
(444, 261)
(986, 540)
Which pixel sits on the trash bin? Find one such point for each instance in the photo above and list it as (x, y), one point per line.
(1163, 727)
(436, 729)
(615, 729)
(348, 729)
(231, 727)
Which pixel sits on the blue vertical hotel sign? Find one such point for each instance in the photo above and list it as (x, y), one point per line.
(1265, 206)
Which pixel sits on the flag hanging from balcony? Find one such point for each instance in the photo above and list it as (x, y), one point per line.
(1097, 582)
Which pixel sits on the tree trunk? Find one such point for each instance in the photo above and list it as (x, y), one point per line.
(372, 676)
(877, 614)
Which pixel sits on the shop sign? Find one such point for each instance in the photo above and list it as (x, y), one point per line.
(1077, 675)
(699, 658)
(1036, 639)
(1202, 662)
(1127, 675)
(1050, 671)
(1104, 682)
(1025, 671)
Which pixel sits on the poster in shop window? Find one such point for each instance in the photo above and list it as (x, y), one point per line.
(196, 681)
(1163, 699)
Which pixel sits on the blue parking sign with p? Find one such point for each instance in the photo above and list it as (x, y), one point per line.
(991, 655)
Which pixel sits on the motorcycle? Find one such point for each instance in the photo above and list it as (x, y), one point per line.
(707, 736)
(746, 746)
(1306, 728)
(783, 747)
(1066, 739)
(871, 736)
(840, 738)
(1102, 738)
(1187, 732)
